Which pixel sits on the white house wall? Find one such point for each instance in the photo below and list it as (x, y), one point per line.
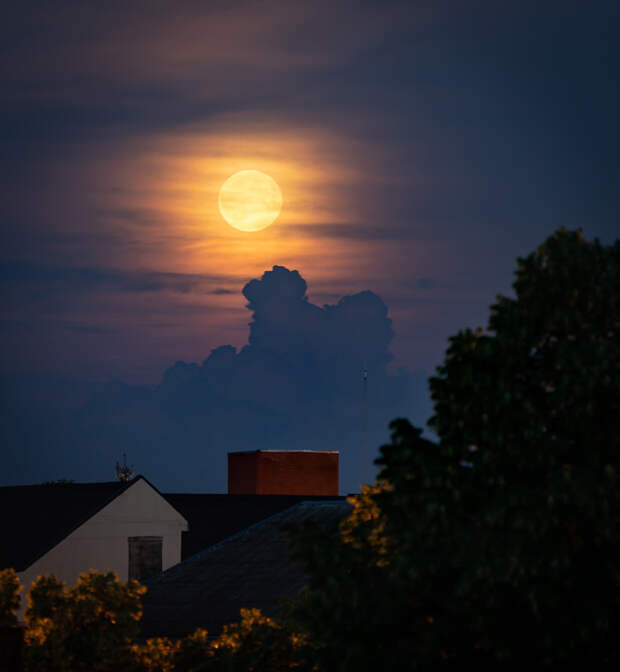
(101, 542)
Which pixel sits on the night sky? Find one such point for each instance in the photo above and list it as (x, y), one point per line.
(420, 148)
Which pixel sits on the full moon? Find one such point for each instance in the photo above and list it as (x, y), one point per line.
(250, 200)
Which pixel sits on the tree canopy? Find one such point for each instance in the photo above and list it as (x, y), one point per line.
(499, 543)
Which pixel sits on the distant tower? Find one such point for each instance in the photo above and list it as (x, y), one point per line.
(364, 418)
(124, 473)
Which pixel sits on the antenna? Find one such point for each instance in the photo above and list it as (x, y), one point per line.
(364, 417)
(124, 473)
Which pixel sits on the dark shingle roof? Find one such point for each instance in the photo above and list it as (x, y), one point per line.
(212, 518)
(250, 569)
(34, 518)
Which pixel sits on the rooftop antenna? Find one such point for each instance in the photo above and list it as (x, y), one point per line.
(124, 473)
(364, 417)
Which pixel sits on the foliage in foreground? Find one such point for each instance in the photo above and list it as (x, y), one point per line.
(9, 597)
(88, 627)
(94, 625)
(255, 644)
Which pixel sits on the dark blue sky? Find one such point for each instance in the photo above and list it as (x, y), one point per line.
(420, 147)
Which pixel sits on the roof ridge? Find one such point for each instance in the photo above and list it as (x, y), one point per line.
(242, 532)
(68, 484)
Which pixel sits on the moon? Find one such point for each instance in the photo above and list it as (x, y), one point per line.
(250, 200)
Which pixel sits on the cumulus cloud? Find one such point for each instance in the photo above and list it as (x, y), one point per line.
(355, 331)
(296, 384)
(297, 350)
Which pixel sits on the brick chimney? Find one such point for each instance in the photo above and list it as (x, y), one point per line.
(283, 472)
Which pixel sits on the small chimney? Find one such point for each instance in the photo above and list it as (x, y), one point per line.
(283, 472)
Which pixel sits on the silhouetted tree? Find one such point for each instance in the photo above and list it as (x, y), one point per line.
(500, 544)
(534, 406)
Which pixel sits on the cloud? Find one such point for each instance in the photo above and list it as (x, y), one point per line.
(297, 350)
(85, 328)
(345, 336)
(221, 291)
(296, 384)
(195, 50)
(48, 279)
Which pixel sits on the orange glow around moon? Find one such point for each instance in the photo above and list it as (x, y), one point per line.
(250, 200)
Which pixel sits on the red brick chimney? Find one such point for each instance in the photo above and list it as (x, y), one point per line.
(283, 472)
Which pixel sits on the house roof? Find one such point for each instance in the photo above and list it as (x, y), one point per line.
(249, 569)
(34, 518)
(212, 518)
